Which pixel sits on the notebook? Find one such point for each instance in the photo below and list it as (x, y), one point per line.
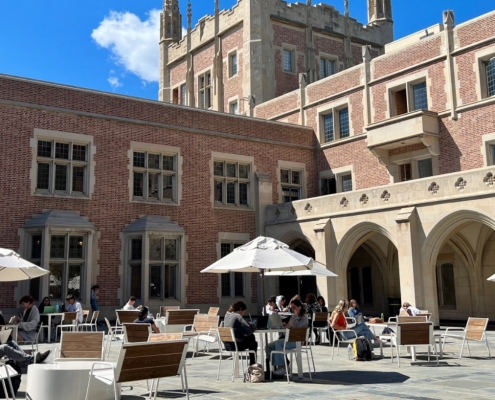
(275, 322)
(49, 309)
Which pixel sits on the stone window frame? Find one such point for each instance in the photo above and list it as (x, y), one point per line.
(292, 165)
(234, 238)
(293, 49)
(90, 260)
(178, 87)
(488, 149)
(333, 108)
(206, 89)
(411, 158)
(407, 83)
(162, 149)
(338, 173)
(234, 158)
(481, 57)
(233, 51)
(329, 57)
(124, 272)
(443, 259)
(234, 100)
(66, 137)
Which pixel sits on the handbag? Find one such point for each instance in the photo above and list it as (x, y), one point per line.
(254, 374)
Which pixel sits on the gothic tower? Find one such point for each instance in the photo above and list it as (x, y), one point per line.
(380, 13)
(170, 32)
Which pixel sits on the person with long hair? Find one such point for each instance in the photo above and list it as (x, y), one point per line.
(299, 319)
(280, 303)
(321, 302)
(45, 302)
(243, 330)
(312, 306)
(271, 306)
(143, 318)
(28, 322)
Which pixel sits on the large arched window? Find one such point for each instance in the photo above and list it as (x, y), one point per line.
(60, 241)
(153, 249)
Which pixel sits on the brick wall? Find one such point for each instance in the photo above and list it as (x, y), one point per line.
(476, 30)
(233, 86)
(110, 210)
(178, 73)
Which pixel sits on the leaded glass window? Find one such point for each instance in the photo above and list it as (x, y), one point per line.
(205, 93)
(231, 183)
(425, 168)
(183, 94)
(490, 77)
(291, 184)
(328, 121)
(233, 64)
(327, 67)
(232, 283)
(154, 176)
(288, 60)
(344, 123)
(420, 96)
(61, 167)
(346, 183)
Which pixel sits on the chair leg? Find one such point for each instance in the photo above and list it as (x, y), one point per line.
(488, 347)
(436, 352)
(462, 348)
(309, 368)
(156, 389)
(185, 381)
(182, 381)
(333, 345)
(271, 362)
(5, 389)
(469, 350)
(89, 384)
(287, 368)
(219, 362)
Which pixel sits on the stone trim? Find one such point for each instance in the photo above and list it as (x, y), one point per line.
(63, 136)
(172, 150)
(488, 141)
(337, 173)
(480, 58)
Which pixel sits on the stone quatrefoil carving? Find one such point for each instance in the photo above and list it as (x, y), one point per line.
(293, 210)
(308, 208)
(385, 195)
(434, 188)
(489, 179)
(460, 184)
(277, 213)
(364, 199)
(344, 202)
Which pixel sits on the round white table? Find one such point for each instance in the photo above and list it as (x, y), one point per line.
(65, 380)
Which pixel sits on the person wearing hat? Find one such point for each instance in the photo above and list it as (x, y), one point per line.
(94, 297)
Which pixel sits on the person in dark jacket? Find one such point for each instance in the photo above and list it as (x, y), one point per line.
(143, 318)
(243, 330)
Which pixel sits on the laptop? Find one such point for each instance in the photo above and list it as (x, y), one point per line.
(261, 322)
(275, 322)
(49, 310)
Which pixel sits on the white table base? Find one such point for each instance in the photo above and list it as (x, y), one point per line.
(67, 380)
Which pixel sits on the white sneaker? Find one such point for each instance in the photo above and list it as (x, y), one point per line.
(280, 371)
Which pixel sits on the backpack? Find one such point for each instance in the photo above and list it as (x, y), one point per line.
(16, 380)
(362, 349)
(254, 374)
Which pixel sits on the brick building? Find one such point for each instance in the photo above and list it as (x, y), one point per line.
(383, 171)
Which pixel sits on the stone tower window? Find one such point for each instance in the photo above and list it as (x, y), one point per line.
(490, 77)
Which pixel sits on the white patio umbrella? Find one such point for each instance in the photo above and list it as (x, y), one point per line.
(491, 278)
(260, 255)
(318, 270)
(15, 268)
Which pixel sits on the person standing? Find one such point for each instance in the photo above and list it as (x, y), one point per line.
(95, 289)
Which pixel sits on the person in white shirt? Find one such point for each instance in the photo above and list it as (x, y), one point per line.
(271, 307)
(130, 304)
(74, 306)
(410, 310)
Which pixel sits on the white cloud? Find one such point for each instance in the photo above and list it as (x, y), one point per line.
(132, 42)
(114, 82)
(184, 32)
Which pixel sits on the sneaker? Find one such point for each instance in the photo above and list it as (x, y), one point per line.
(280, 371)
(40, 357)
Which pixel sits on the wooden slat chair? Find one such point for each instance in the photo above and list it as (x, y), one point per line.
(413, 334)
(85, 316)
(81, 346)
(126, 316)
(91, 324)
(135, 333)
(204, 328)
(337, 338)
(163, 310)
(70, 317)
(164, 337)
(320, 322)
(111, 336)
(176, 320)
(213, 311)
(227, 335)
(143, 361)
(475, 331)
(297, 335)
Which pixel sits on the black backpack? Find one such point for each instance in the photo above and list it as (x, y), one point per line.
(16, 381)
(362, 349)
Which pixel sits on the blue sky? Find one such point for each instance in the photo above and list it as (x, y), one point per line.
(112, 45)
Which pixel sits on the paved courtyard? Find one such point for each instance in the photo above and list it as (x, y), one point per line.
(468, 378)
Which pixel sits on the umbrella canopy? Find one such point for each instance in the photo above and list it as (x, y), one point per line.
(318, 270)
(15, 268)
(262, 253)
(491, 278)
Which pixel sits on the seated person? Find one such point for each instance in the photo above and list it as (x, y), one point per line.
(74, 306)
(280, 303)
(271, 306)
(321, 302)
(296, 297)
(356, 313)
(28, 323)
(130, 304)
(298, 320)
(15, 353)
(243, 330)
(143, 318)
(338, 323)
(361, 328)
(410, 310)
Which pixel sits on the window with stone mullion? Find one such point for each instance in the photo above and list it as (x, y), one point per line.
(231, 183)
(490, 77)
(291, 182)
(154, 176)
(164, 260)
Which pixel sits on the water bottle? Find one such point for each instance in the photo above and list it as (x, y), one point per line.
(350, 352)
(57, 308)
(383, 318)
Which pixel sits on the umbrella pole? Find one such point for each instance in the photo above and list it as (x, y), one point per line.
(264, 292)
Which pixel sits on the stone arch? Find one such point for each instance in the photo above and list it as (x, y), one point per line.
(292, 237)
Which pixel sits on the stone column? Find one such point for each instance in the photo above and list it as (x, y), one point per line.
(303, 82)
(449, 23)
(409, 257)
